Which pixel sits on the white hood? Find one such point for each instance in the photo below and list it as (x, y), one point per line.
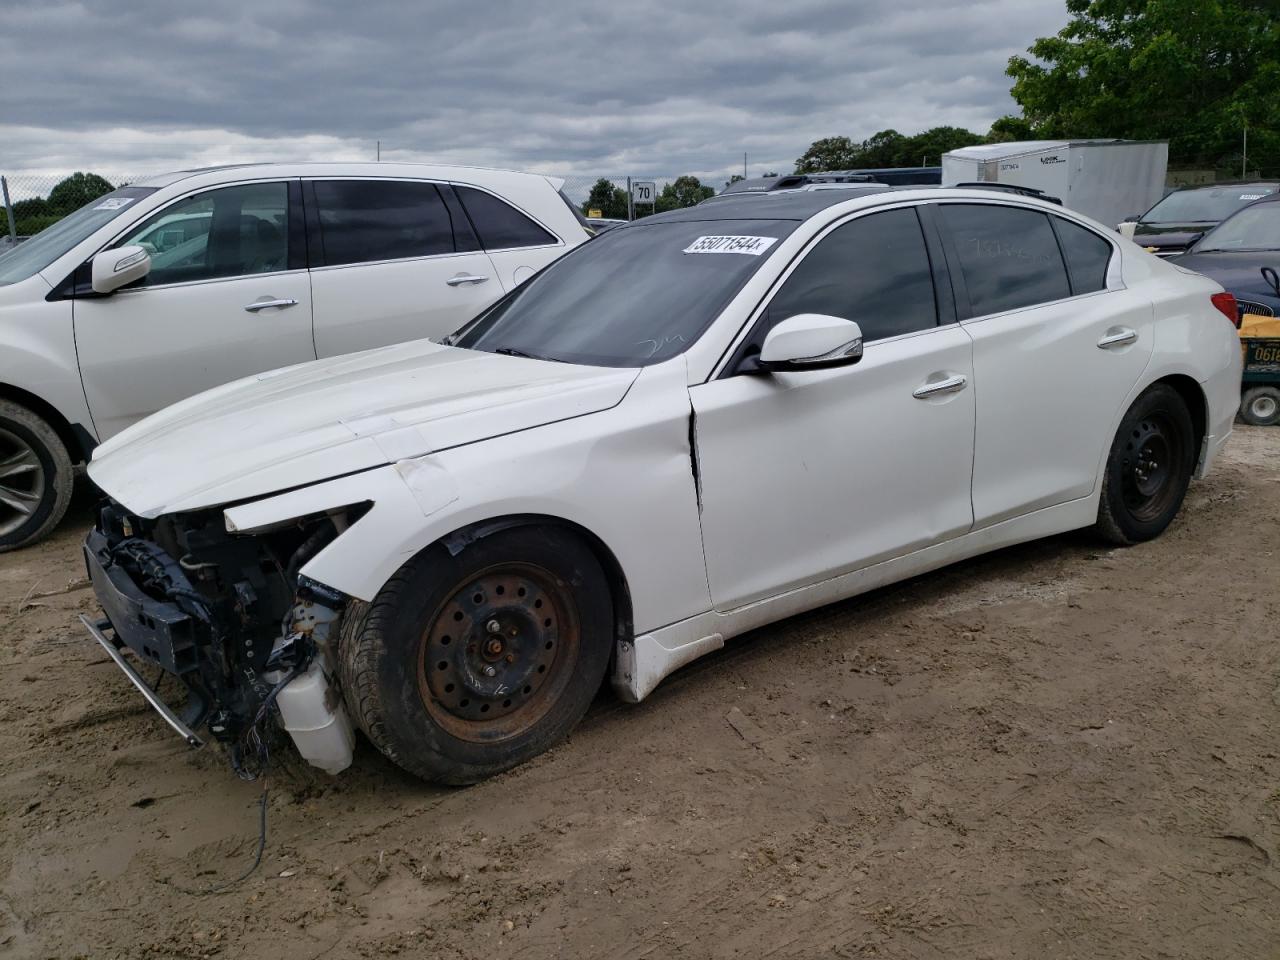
(310, 422)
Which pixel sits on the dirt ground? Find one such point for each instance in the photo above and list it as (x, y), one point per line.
(1060, 750)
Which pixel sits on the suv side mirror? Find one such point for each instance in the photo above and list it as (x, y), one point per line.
(112, 269)
(811, 341)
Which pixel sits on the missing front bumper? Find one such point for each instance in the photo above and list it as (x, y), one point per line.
(97, 629)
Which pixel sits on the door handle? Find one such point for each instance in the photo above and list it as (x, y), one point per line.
(263, 304)
(1118, 339)
(950, 385)
(462, 278)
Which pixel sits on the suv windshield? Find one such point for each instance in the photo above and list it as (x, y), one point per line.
(1257, 228)
(32, 256)
(1206, 204)
(631, 297)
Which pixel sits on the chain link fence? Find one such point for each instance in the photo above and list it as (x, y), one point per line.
(38, 200)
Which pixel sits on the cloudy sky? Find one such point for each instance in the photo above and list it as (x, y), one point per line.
(644, 87)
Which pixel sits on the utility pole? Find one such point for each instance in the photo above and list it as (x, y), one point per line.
(1244, 160)
(8, 208)
(744, 164)
(379, 151)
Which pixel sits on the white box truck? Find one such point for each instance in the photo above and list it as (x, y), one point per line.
(1109, 180)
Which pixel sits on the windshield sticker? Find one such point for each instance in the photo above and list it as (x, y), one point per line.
(1253, 196)
(115, 203)
(751, 246)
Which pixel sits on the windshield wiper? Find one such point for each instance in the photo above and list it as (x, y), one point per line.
(513, 352)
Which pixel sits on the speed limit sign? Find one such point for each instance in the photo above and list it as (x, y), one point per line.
(644, 191)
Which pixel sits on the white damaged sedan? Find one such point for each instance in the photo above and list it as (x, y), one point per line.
(689, 427)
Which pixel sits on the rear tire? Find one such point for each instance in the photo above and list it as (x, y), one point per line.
(36, 477)
(464, 666)
(1260, 406)
(1148, 469)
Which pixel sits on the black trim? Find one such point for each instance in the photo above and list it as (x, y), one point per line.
(311, 214)
(85, 440)
(297, 227)
(964, 308)
(944, 295)
(465, 238)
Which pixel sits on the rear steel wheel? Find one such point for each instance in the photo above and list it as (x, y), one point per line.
(1149, 467)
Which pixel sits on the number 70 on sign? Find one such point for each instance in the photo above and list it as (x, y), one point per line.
(643, 191)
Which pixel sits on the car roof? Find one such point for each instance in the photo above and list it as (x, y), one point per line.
(431, 171)
(1232, 184)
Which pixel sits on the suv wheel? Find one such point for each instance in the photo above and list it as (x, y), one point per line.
(35, 477)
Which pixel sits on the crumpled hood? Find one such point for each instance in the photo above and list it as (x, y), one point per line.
(310, 422)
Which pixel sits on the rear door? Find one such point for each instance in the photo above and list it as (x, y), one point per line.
(518, 245)
(1056, 350)
(392, 260)
(228, 296)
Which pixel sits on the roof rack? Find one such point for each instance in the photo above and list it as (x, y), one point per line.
(1009, 188)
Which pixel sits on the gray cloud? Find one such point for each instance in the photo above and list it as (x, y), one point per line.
(573, 87)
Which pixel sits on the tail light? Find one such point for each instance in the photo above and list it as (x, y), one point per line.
(1227, 304)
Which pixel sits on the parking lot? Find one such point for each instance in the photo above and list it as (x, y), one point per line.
(1061, 749)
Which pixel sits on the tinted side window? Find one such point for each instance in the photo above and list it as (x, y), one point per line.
(365, 220)
(1087, 256)
(1009, 256)
(500, 225)
(230, 232)
(873, 270)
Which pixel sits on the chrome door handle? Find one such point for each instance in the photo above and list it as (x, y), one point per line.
(950, 385)
(1125, 336)
(263, 304)
(464, 278)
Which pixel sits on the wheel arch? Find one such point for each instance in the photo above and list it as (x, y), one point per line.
(78, 441)
(623, 619)
(1194, 397)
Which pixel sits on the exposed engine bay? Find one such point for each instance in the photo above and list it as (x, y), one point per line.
(233, 620)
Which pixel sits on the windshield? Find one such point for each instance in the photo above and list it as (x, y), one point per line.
(1205, 205)
(32, 256)
(1257, 228)
(631, 297)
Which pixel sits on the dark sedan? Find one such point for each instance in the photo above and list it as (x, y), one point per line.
(1243, 254)
(1184, 216)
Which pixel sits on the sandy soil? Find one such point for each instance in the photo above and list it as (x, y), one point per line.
(1061, 750)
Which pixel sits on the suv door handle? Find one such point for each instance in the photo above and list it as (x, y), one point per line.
(462, 278)
(1118, 339)
(950, 385)
(263, 304)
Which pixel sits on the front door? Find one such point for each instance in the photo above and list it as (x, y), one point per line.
(228, 295)
(808, 475)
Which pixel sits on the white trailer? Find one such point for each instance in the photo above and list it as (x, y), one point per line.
(1109, 180)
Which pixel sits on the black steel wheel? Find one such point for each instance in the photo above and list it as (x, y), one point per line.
(1149, 467)
(466, 665)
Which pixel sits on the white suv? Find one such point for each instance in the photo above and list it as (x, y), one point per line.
(182, 282)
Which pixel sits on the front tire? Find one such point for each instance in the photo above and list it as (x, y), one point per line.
(36, 477)
(464, 666)
(1260, 406)
(1148, 469)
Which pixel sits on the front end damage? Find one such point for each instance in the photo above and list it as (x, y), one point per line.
(233, 621)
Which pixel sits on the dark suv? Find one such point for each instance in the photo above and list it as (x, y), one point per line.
(1184, 216)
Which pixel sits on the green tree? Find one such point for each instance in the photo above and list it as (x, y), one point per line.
(1190, 71)
(830, 153)
(683, 192)
(888, 148)
(610, 200)
(734, 179)
(77, 190)
(1009, 128)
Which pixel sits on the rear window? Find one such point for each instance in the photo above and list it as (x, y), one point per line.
(1008, 255)
(500, 225)
(1087, 256)
(367, 220)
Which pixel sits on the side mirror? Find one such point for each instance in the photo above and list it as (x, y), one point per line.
(1128, 229)
(811, 341)
(112, 269)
